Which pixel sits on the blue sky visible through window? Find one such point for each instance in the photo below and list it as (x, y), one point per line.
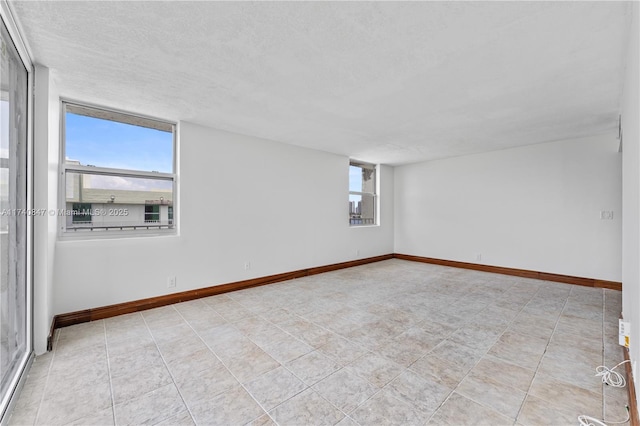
(355, 182)
(105, 143)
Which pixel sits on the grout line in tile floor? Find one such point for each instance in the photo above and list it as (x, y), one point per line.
(166, 365)
(555, 327)
(106, 345)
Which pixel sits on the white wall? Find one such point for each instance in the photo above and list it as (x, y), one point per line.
(631, 192)
(45, 158)
(535, 207)
(280, 207)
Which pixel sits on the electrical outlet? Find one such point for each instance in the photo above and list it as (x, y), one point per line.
(357, 252)
(606, 215)
(479, 257)
(624, 331)
(247, 265)
(171, 281)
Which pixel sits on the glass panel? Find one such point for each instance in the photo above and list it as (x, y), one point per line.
(152, 214)
(107, 143)
(362, 179)
(13, 218)
(116, 202)
(362, 209)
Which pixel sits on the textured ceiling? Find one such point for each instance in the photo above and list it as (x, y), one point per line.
(382, 82)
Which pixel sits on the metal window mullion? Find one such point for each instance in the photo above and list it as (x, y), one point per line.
(118, 172)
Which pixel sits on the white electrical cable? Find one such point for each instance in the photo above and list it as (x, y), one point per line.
(591, 421)
(610, 377)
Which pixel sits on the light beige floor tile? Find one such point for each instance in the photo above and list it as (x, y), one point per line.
(532, 325)
(498, 396)
(564, 395)
(138, 383)
(477, 336)
(188, 367)
(251, 365)
(163, 317)
(206, 384)
(168, 333)
(128, 343)
(458, 410)
(233, 407)
(182, 347)
(78, 401)
(384, 409)
(424, 394)
(31, 392)
(408, 347)
(341, 350)
(503, 372)
(570, 369)
(519, 349)
(89, 356)
(101, 417)
(24, 415)
(151, 408)
(536, 411)
(228, 344)
(126, 327)
(345, 389)
(376, 369)
(438, 328)
(347, 421)
(79, 336)
(265, 420)
(41, 366)
(83, 375)
(180, 419)
(306, 408)
(286, 349)
(144, 356)
(275, 387)
(313, 367)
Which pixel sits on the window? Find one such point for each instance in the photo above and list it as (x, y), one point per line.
(118, 171)
(362, 194)
(81, 213)
(16, 250)
(152, 214)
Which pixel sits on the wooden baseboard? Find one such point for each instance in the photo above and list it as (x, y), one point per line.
(547, 276)
(86, 315)
(64, 320)
(631, 389)
(52, 332)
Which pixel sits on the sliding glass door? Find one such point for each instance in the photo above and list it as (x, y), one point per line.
(15, 344)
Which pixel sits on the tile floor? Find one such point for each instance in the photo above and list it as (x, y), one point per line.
(393, 342)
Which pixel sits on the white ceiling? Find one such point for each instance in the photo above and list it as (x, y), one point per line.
(381, 82)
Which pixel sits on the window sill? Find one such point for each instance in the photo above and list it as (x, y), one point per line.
(115, 235)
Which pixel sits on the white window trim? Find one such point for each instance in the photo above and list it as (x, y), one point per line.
(125, 117)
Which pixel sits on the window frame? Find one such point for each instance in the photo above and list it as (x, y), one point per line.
(374, 194)
(143, 229)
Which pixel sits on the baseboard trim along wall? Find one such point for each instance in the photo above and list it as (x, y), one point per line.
(65, 320)
(631, 390)
(525, 273)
